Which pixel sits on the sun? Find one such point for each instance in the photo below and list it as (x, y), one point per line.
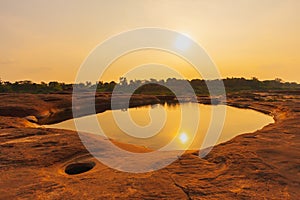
(182, 42)
(183, 138)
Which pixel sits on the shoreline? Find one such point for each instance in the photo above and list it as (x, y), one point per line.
(61, 110)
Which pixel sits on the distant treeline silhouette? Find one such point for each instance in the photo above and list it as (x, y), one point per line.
(151, 86)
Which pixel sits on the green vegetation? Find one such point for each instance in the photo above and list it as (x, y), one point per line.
(151, 86)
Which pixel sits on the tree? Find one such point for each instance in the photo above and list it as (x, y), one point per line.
(123, 81)
(88, 83)
(278, 80)
(55, 86)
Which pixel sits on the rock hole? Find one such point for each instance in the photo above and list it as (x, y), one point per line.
(79, 168)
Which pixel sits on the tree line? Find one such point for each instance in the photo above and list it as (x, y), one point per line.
(151, 86)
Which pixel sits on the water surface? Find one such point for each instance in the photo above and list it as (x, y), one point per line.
(165, 120)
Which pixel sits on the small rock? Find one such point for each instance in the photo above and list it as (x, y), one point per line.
(31, 119)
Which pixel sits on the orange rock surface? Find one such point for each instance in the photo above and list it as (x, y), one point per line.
(40, 163)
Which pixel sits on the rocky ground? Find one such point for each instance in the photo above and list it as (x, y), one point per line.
(40, 163)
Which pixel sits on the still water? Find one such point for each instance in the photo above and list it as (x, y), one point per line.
(156, 126)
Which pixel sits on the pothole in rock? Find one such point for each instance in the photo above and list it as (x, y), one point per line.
(79, 168)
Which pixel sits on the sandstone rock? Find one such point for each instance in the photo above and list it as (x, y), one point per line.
(39, 163)
(32, 119)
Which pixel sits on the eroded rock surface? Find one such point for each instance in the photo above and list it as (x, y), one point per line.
(34, 160)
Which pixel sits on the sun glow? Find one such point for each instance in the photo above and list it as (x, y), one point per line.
(182, 42)
(183, 137)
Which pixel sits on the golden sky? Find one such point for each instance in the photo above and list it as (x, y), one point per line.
(48, 40)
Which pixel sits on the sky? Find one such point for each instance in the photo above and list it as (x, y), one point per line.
(46, 40)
